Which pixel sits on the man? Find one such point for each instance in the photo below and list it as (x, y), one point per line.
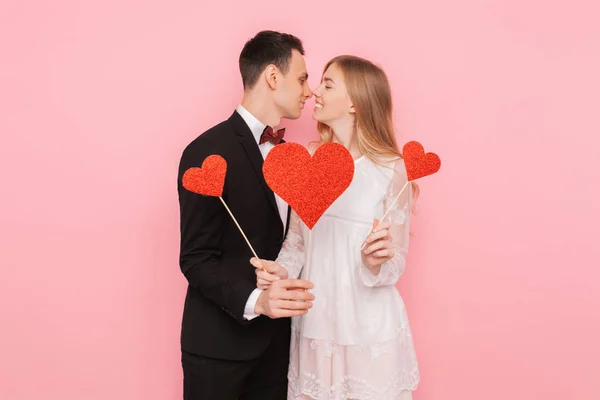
(235, 337)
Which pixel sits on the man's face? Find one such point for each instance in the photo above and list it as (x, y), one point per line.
(292, 90)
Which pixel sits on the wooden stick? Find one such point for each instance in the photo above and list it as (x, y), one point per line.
(396, 199)
(308, 254)
(240, 228)
(388, 210)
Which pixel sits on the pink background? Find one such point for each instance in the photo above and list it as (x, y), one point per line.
(98, 99)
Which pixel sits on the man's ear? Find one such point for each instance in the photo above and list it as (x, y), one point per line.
(272, 75)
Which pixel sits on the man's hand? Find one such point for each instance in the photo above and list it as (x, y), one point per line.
(285, 298)
(267, 272)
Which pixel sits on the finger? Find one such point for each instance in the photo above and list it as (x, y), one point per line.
(378, 245)
(264, 282)
(263, 287)
(256, 263)
(377, 235)
(266, 276)
(296, 283)
(274, 268)
(294, 305)
(382, 226)
(290, 313)
(265, 265)
(375, 223)
(301, 295)
(385, 253)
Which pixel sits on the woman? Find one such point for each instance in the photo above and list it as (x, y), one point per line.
(355, 342)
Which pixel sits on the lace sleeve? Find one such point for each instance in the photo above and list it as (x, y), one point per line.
(291, 256)
(399, 218)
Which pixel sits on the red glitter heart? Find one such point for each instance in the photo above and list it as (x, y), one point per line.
(208, 180)
(309, 185)
(418, 163)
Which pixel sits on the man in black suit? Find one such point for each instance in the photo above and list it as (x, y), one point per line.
(235, 337)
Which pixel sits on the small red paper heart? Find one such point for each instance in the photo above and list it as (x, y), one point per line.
(309, 185)
(418, 163)
(208, 180)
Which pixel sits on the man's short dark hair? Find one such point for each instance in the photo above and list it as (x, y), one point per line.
(267, 47)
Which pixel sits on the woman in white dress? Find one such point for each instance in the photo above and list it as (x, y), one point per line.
(355, 342)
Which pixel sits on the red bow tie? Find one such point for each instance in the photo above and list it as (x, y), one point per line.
(269, 136)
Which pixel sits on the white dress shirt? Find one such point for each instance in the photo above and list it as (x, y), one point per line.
(257, 128)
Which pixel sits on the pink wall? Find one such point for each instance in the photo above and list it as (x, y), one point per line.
(98, 99)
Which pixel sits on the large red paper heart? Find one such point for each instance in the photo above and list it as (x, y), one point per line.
(309, 185)
(418, 163)
(208, 180)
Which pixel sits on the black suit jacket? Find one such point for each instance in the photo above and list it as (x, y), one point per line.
(215, 257)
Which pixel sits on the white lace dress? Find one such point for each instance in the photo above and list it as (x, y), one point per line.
(355, 343)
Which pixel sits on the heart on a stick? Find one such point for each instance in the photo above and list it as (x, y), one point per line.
(309, 184)
(208, 180)
(418, 163)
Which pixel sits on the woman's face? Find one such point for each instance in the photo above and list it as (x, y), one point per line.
(332, 101)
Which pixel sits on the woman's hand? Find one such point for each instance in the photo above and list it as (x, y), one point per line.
(378, 247)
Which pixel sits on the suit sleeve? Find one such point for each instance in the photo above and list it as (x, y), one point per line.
(201, 219)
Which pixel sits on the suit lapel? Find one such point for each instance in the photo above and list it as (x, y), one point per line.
(287, 224)
(252, 151)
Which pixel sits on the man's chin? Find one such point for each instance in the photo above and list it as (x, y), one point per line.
(293, 115)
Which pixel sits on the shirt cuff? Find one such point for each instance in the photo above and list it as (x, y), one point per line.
(251, 303)
(368, 278)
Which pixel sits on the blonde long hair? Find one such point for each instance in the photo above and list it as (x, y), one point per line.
(371, 95)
